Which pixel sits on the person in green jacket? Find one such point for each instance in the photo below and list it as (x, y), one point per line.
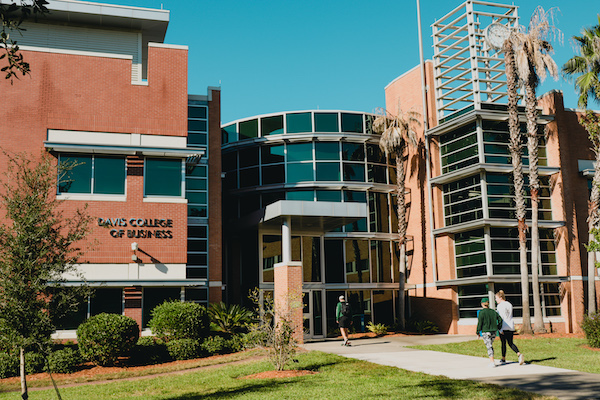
(343, 316)
(488, 322)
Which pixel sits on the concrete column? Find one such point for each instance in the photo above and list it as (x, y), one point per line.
(288, 295)
(286, 239)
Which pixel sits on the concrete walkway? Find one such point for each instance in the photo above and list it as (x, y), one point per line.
(392, 351)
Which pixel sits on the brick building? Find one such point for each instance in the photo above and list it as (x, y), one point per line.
(108, 94)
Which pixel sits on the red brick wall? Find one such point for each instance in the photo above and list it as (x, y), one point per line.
(83, 93)
(215, 233)
(288, 295)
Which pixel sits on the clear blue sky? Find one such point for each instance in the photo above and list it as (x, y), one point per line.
(281, 55)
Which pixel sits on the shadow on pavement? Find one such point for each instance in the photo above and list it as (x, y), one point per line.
(580, 386)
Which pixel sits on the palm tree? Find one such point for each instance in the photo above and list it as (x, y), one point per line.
(533, 59)
(586, 66)
(514, 147)
(397, 134)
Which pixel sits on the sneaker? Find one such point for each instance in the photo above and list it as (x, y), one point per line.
(502, 362)
(348, 343)
(492, 365)
(521, 359)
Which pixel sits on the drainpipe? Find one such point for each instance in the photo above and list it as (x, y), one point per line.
(427, 153)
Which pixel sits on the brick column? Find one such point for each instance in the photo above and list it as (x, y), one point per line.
(133, 303)
(288, 295)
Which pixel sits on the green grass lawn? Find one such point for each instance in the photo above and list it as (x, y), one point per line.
(568, 353)
(337, 378)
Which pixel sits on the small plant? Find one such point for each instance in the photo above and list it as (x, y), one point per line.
(64, 361)
(591, 327)
(229, 319)
(178, 320)
(274, 330)
(150, 350)
(105, 337)
(422, 326)
(237, 343)
(377, 329)
(215, 345)
(183, 349)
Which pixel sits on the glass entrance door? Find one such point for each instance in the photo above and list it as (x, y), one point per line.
(312, 313)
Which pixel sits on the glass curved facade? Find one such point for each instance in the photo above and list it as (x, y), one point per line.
(330, 156)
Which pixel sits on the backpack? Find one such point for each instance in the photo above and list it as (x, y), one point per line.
(346, 312)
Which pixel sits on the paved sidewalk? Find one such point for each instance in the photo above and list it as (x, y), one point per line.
(392, 351)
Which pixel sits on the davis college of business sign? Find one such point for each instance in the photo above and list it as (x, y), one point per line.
(139, 228)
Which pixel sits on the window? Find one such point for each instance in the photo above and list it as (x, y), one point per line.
(248, 129)
(459, 148)
(299, 123)
(271, 125)
(326, 122)
(469, 248)
(197, 252)
(163, 177)
(352, 123)
(196, 191)
(197, 124)
(462, 200)
(92, 174)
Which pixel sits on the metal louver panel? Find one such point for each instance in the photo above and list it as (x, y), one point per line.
(85, 39)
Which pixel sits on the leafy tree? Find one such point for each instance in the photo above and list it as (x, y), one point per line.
(533, 58)
(397, 133)
(38, 248)
(12, 16)
(586, 67)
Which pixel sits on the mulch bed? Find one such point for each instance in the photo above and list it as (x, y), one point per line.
(278, 374)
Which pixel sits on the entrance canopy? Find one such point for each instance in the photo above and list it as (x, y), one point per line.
(308, 216)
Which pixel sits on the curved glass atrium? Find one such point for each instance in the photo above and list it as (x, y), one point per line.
(316, 155)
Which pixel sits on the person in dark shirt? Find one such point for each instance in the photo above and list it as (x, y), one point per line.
(343, 317)
(488, 322)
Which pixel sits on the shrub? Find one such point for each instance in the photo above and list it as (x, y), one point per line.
(177, 320)
(237, 343)
(105, 337)
(34, 363)
(150, 350)
(215, 345)
(64, 361)
(229, 319)
(422, 326)
(184, 349)
(377, 329)
(9, 365)
(591, 327)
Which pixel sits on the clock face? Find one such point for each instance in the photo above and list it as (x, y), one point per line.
(495, 35)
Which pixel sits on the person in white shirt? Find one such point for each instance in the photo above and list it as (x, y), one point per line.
(505, 309)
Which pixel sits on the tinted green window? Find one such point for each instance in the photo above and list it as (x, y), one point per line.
(377, 173)
(273, 174)
(326, 122)
(109, 175)
(299, 152)
(198, 171)
(196, 197)
(197, 112)
(327, 151)
(78, 177)
(229, 134)
(299, 123)
(328, 171)
(196, 138)
(272, 154)
(299, 172)
(197, 231)
(249, 129)
(196, 211)
(353, 151)
(354, 172)
(107, 300)
(197, 125)
(249, 157)
(352, 123)
(357, 226)
(271, 125)
(249, 177)
(374, 154)
(305, 195)
(197, 245)
(352, 196)
(329, 195)
(163, 177)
